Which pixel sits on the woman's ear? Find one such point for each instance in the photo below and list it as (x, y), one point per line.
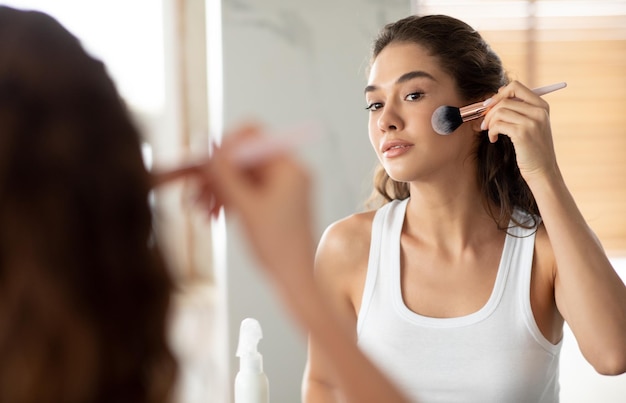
(476, 124)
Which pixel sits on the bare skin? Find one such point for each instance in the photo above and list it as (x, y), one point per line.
(450, 247)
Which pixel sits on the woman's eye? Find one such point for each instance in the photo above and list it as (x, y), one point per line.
(374, 106)
(414, 96)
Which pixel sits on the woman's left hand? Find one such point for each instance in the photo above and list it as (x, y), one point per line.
(519, 113)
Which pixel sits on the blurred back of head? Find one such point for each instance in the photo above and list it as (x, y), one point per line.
(83, 291)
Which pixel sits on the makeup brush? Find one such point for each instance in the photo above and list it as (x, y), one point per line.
(447, 119)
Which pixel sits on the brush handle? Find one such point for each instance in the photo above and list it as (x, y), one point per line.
(478, 109)
(549, 88)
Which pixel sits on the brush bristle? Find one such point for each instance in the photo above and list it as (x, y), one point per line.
(446, 119)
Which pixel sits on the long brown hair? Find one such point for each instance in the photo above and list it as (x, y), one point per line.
(84, 292)
(478, 73)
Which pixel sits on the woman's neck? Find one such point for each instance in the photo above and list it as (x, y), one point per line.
(451, 215)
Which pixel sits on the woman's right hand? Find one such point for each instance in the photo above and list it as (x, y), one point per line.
(272, 200)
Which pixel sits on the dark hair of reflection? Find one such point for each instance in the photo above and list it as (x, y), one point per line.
(84, 292)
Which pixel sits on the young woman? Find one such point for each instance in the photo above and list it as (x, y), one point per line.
(459, 284)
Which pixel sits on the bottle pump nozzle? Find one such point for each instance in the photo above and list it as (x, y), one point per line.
(249, 335)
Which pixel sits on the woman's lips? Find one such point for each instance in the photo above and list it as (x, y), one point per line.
(395, 148)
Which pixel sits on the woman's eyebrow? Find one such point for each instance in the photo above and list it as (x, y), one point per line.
(403, 78)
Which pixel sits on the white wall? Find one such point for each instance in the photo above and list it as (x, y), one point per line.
(286, 62)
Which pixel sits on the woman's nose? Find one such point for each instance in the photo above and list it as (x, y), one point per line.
(389, 119)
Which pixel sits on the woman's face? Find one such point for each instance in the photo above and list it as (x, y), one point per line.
(405, 86)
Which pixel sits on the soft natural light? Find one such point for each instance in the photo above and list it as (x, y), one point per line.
(543, 8)
(126, 35)
(505, 15)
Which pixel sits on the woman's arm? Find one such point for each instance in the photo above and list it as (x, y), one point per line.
(588, 292)
(340, 268)
(272, 202)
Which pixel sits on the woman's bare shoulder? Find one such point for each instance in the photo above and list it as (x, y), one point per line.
(342, 258)
(344, 245)
(348, 234)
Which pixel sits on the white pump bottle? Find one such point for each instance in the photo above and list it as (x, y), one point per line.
(251, 384)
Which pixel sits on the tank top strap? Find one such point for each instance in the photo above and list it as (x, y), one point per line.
(525, 252)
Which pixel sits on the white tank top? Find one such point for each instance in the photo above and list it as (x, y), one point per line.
(496, 354)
